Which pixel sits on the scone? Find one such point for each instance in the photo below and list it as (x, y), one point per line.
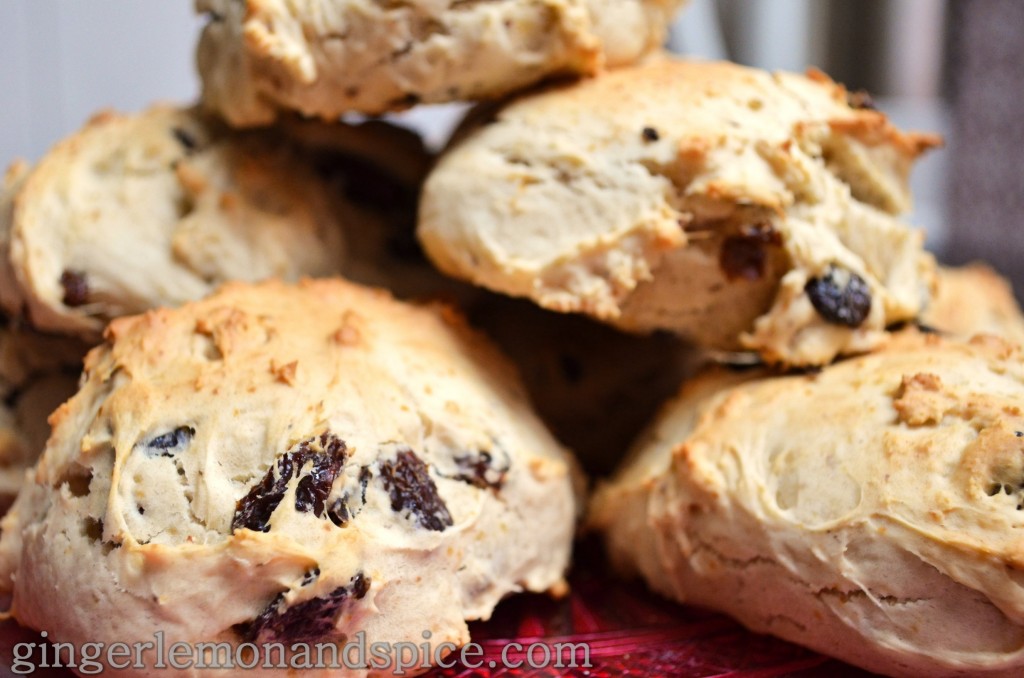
(289, 464)
(871, 511)
(975, 299)
(159, 208)
(324, 58)
(37, 373)
(741, 209)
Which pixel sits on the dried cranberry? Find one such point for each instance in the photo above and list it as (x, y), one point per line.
(306, 621)
(76, 288)
(253, 511)
(840, 303)
(411, 488)
(743, 256)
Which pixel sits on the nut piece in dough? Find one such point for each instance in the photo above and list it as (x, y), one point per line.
(742, 209)
(871, 511)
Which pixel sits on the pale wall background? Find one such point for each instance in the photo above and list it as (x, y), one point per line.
(62, 60)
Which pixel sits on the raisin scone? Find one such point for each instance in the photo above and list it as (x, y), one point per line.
(974, 299)
(288, 464)
(743, 209)
(159, 208)
(324, 58)
(871, 511)
(37, 373)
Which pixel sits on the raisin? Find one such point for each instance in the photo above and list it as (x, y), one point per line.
(310, 577)
(306, 621)
(411, 489)
(185, 139)
(166, 444)
(76, 288)
(340, 511)
(650, 134)
(480, 470)
(743, 256)
(360, 586)
(313, 488)
(1020, 434)
(861, 100)
(253, 511)
(840, 304)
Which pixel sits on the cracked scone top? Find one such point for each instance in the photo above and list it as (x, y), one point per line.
(289, 463)
(324, 58)
(161, 207)
(740, 208)
(871, 512)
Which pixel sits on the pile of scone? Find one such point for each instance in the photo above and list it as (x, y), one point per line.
(262, 449)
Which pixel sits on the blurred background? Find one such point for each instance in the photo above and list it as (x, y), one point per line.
(950, 66)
